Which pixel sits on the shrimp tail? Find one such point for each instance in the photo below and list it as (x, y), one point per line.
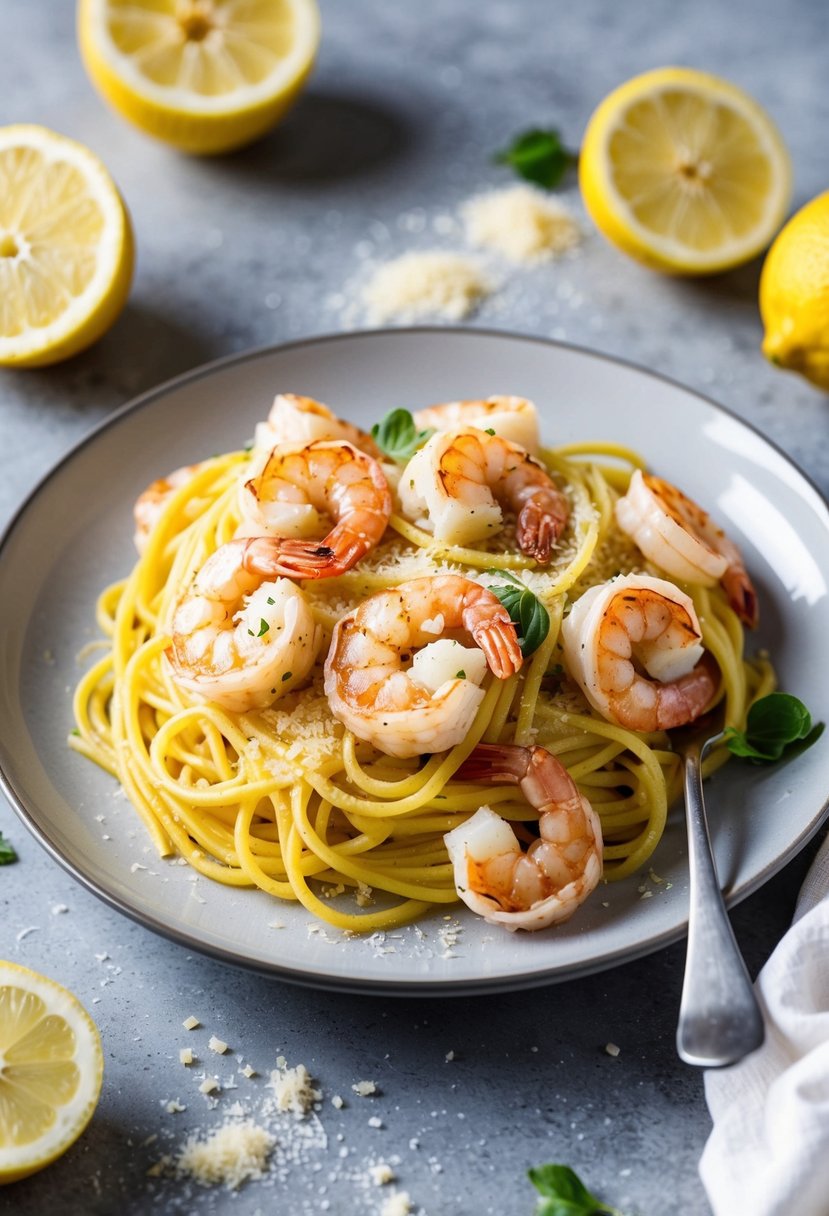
(741, 596)
(540, 523)
(495, 764)
(499, 642)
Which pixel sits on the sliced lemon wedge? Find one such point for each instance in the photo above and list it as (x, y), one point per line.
(66, 247)
(203, 75)
(685, 172)
(51, 1068)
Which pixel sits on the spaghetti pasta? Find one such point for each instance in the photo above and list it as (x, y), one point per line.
(285, 800)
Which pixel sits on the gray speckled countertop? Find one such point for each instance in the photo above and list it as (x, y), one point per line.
(397, 127)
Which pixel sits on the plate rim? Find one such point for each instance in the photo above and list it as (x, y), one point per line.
(279, 971)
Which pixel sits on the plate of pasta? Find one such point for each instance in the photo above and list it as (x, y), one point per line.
(358, 661)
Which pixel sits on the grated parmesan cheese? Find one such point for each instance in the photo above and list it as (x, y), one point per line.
(185, 1055)
(364, 1088)
(294, 1089)
(191, 1023)
(217, 1045)
(398, 1204)
(521, 224)
(231, 1155)
(418, 285)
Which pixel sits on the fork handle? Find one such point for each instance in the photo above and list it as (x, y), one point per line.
(719, 1018)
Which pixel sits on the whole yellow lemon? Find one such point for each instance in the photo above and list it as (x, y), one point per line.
(794, 294)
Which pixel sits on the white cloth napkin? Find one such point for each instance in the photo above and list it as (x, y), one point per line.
(768, 1153)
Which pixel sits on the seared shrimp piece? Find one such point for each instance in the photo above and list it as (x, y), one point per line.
(545, 885)
(457, 483)
(239, 637)
(295, 419)
(634, 645)
(513, 418)
(430, 706)
(150, 504)
(299, 486)
(683, 540)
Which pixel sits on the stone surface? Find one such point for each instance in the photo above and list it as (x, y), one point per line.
(397, 128)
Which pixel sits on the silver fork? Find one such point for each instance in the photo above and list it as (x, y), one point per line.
(720, 1020)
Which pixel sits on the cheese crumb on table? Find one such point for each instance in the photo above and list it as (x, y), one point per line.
(247, 1071)
(398, 1204)
(185, 1055)
(217, 1045)
(231, 1155)
(174, 1107)
(520, 223)
(191, 1023)
(294, 1089)
(209, 1085)
(381, 1173)
(337, 1102)
(425, 284)
(365, 1088)
(612, 1049)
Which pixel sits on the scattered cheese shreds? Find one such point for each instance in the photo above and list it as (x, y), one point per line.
(521, 224)
(364, 1088)
(217, 1045)
(231, 1155)
(294, 1089)
(191, 1023)
(425, 284)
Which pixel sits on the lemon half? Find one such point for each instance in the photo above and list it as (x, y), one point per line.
(51, 1069)
(66, 247)
(685, 172)
(203, 75)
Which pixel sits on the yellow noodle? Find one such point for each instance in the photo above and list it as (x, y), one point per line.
(286, 801)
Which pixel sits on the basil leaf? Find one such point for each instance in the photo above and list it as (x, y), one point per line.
(539, 156)
(7, 853)
(774, 724)
(397, 436)
(526, 611)
(564, 1193)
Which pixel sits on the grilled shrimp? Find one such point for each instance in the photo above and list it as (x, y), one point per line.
(634, 645)
(545, 885)
(294, 419)
(241, 637)
(150, 504)
(298, 483)
(430, 706)
(455, 485)
(513, 418)
(682, 539)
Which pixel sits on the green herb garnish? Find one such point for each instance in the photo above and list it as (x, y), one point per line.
(460, 675)
(7, 853)
(564, 1194)
(526, 611)
(397, 435)
(539, 156)
(774, 723)
(263, 627)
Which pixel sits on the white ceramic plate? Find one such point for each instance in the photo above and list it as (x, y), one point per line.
(74, 535)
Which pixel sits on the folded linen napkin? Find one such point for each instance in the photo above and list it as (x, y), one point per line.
(768, 1153)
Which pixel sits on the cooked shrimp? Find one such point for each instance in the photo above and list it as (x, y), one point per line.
(150, 504)
(622, 632)
(455, 484)
(297, 484)
(294, 419)
(239, 637)
(545, 885)
(683, 540)
(431, 706)
(513, 418)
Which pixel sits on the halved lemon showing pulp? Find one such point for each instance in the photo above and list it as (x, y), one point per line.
(204, 75)
(51, 1068)
(685, 172)
(66, 247)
